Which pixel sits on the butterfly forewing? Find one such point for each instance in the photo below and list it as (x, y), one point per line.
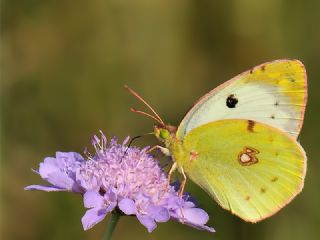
(274, 93)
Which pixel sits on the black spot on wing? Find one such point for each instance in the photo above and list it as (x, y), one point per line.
(231, 101)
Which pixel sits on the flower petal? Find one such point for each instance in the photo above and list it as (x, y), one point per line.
(195, 215)
(201, 227)
(69, 157)
(189, 204)
(204, 227)
(111, 195)
(110, 208)
(60, 179)
(45, 188)
(127, 206)
(147, 221)
(87, 184)
(48, 166)
(92, 217)
(93, 199)
(160, 214)
(175, 202)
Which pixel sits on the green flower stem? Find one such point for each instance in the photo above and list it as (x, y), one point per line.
(115, 216)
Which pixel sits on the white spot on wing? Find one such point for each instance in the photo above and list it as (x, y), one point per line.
(244, 158)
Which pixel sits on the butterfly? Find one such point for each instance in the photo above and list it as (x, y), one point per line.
(239, 141)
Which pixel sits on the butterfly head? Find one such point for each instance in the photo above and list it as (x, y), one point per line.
(165, 133)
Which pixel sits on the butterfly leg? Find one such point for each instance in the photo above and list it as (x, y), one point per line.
(181, 192)
(164, 150)
(172, 169)
(182, 214)
(183, 182)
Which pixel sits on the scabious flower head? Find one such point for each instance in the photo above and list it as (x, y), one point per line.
(119, 177)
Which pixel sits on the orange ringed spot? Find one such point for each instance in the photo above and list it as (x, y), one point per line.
(247, 156)
(193, 155)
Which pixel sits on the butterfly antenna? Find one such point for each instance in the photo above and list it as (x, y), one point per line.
(156, 117)
(146, 114)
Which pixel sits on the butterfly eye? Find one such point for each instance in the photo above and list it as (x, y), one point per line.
(231, 101)
(164, 133)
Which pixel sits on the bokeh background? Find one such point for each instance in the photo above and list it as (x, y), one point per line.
(63, 67)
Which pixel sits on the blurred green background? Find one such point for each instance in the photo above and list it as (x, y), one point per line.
(63, 67)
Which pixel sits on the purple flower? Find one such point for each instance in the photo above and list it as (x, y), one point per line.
(119, 177)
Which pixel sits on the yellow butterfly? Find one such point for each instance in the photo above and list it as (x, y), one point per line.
(239, 141)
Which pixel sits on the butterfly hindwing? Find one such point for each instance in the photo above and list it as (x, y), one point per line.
(274, 93)
(250, 168)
